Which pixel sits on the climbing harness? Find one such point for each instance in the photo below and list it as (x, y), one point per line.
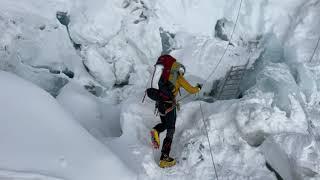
(175, 104)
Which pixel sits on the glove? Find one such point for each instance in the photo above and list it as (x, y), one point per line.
(199, 86)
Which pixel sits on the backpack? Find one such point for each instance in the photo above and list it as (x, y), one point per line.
(167, 80)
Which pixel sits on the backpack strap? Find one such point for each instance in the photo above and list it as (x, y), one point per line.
(174, 72)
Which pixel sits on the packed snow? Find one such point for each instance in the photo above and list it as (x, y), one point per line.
(73, 76)
(38, 136)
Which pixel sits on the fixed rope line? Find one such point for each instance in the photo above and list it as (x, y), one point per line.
(227, 47)
(310, 123)
(314, 51)
(207, 133)
(184, 97)
(214, 70)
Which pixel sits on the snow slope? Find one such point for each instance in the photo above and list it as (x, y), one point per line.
(38, 136)
(234, 158)
(98, 117)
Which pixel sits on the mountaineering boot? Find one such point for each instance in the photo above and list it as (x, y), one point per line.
(155, 139)
(166, 161)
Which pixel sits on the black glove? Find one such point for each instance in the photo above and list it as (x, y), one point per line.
(199, 86)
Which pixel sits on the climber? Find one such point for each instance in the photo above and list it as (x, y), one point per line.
(165, 85)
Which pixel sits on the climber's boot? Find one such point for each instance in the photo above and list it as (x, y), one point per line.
(166, 161)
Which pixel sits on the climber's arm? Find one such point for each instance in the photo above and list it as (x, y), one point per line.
(186, 85)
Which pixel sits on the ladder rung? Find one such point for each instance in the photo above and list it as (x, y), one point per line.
(230, 88)
(237, 84)
(238, 70)
(238, 79)
(230, 81)
(238, 67)
(226, 97)
(234, 79)
(230, 78)
(235, 75)
(244, 65)
(229, 94)
(224, 90)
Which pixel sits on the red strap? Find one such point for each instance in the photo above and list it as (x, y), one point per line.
(174, 105)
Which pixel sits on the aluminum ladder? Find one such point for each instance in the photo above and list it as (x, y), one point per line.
(231, 83)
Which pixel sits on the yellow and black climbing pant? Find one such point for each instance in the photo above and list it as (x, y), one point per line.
(168, 122)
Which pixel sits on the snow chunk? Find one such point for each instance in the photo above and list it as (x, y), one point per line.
(90, 22)
(99, 68)
(221, 29)
(293, 156)
(122, 71)
(257, 117)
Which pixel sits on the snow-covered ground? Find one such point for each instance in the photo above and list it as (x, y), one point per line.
(39, 136)
(97, 68)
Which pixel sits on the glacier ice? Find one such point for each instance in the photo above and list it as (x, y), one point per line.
(120, 41)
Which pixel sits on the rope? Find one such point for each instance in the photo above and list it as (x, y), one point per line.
(202, 113)
(184, 97)
(225, 51)
(214, 70)
(145, 92)
(310, 123)
(314, 51)
(207, 134)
